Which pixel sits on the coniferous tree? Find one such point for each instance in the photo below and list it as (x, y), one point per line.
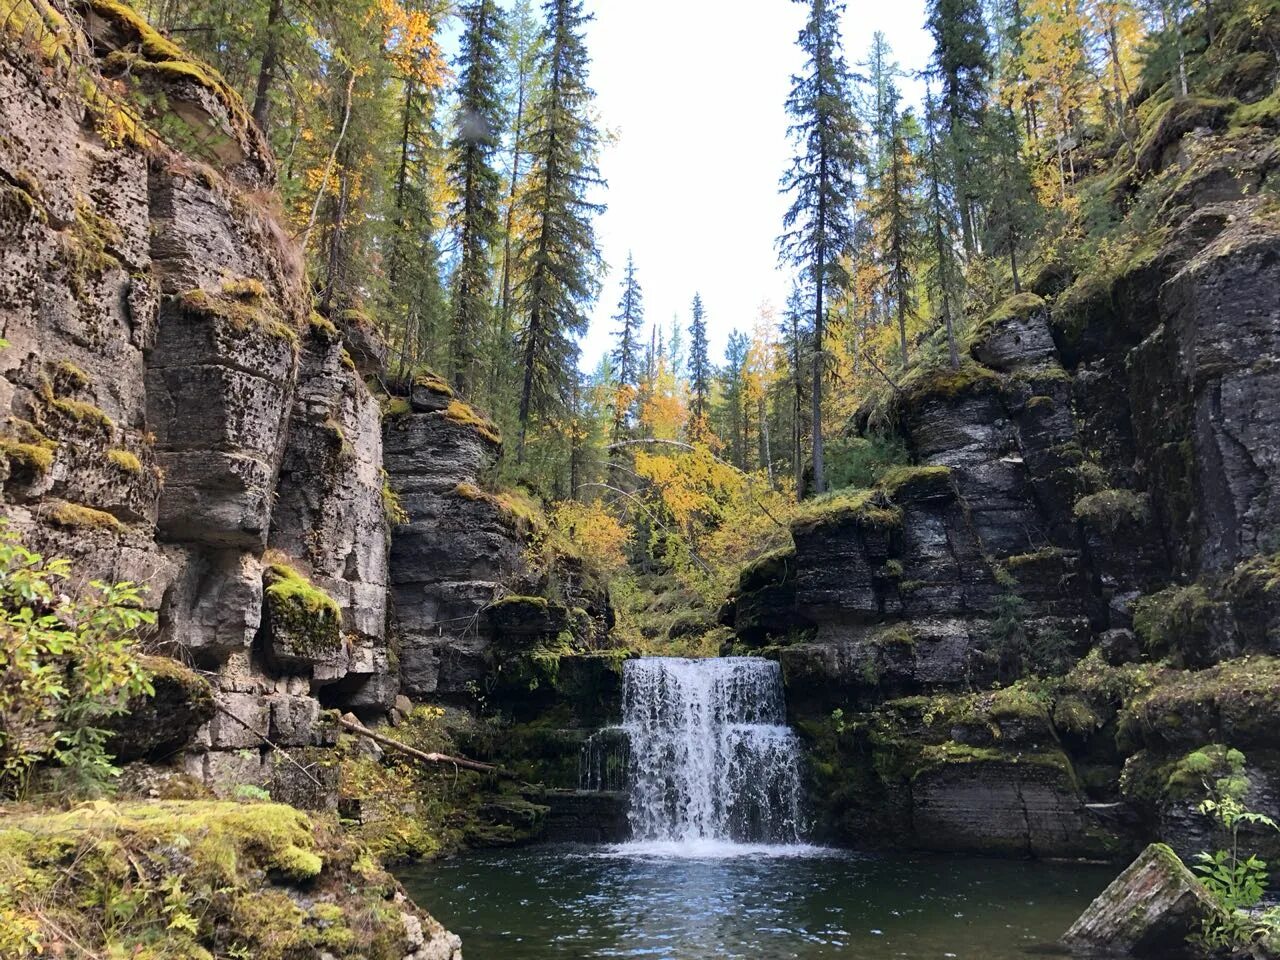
(476, 185)
(412, 304)
(962, 60)
(796, 346)
(523, 47)
(626, 355)
(945, 274)
(898, 219)
(818, 228)
(734, 418)
(1012, 211)
(559, 253)
(699, 363)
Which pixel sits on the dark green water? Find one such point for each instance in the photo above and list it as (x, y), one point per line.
(575, 903)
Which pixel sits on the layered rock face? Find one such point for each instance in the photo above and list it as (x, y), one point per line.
(173, 415)
(1092, 499)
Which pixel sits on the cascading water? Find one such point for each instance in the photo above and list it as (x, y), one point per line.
(710, 756)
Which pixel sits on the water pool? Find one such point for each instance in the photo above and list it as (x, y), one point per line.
(756, 903)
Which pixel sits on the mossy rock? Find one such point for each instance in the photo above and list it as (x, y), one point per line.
(159, 725)
(201, 879)
(1236, 702)
(768, 569)
(1111, 510)
(943, 384)
(241, 308)
(870, 508)
(1167, 122)
(302, 622)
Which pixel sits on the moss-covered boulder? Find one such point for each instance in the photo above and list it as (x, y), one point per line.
(1148, 911)
(303, 624)
(159, 725)
(201, 879)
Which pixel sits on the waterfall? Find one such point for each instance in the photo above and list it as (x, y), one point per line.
(710, 756)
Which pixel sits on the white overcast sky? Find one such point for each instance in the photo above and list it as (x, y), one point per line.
(694, 90)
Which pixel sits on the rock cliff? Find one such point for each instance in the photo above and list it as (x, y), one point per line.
(1090, 500)
(175, 414)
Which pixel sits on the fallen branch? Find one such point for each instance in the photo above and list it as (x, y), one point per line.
(866, 355)
(421, 754)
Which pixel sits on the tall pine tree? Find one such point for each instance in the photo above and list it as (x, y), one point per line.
(558, 252)
(699, 364)
(962, 60)
(476, 184)
(626, 355)
(1012, 211)
(944, 276)
(818, 229)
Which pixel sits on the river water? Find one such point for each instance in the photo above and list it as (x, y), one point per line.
(718, 868)
(576, 903)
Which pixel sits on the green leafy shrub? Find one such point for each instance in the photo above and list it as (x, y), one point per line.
(65, 665)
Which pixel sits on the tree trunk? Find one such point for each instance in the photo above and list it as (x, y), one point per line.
(267, 69)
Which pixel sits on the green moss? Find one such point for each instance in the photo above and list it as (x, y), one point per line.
(768, 568)
(35, 458)
(69, 376)
(1265, 113)
(18, 207)
(1236, 701)
(433, 383)
(243, 311)
(1109, 510)
(159, 55)
(124, 460)
(394, 407)
(902, 482)
(944, 383)
(865, 507)
(1016, 307)
(75, 516)
(1073, 715)
(465, 415)
(1177, 618)
(303, 610)
(1167, 121)
(392, 508)
(195, 879)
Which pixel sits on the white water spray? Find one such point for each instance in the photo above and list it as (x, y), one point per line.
(710, 757)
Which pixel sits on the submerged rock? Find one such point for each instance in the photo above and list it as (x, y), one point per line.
(1147, 911)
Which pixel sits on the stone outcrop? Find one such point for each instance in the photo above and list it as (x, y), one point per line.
(1148, 911)
(458, 547)
(1097, 477)
(171, 409)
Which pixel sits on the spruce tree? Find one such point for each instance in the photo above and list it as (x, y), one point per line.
(962, 60)
(699, 364)
(733, 398)
(476, 184)
(944, 276)
(898, 219)
(522, 55)
(559, 254)
(1012, 211)
(625, 356)
(818, 228)
(796, 345)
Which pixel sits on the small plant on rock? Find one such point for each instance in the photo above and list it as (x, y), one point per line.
(1238, 881)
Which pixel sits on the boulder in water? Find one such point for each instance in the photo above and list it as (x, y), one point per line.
(1147, 911)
